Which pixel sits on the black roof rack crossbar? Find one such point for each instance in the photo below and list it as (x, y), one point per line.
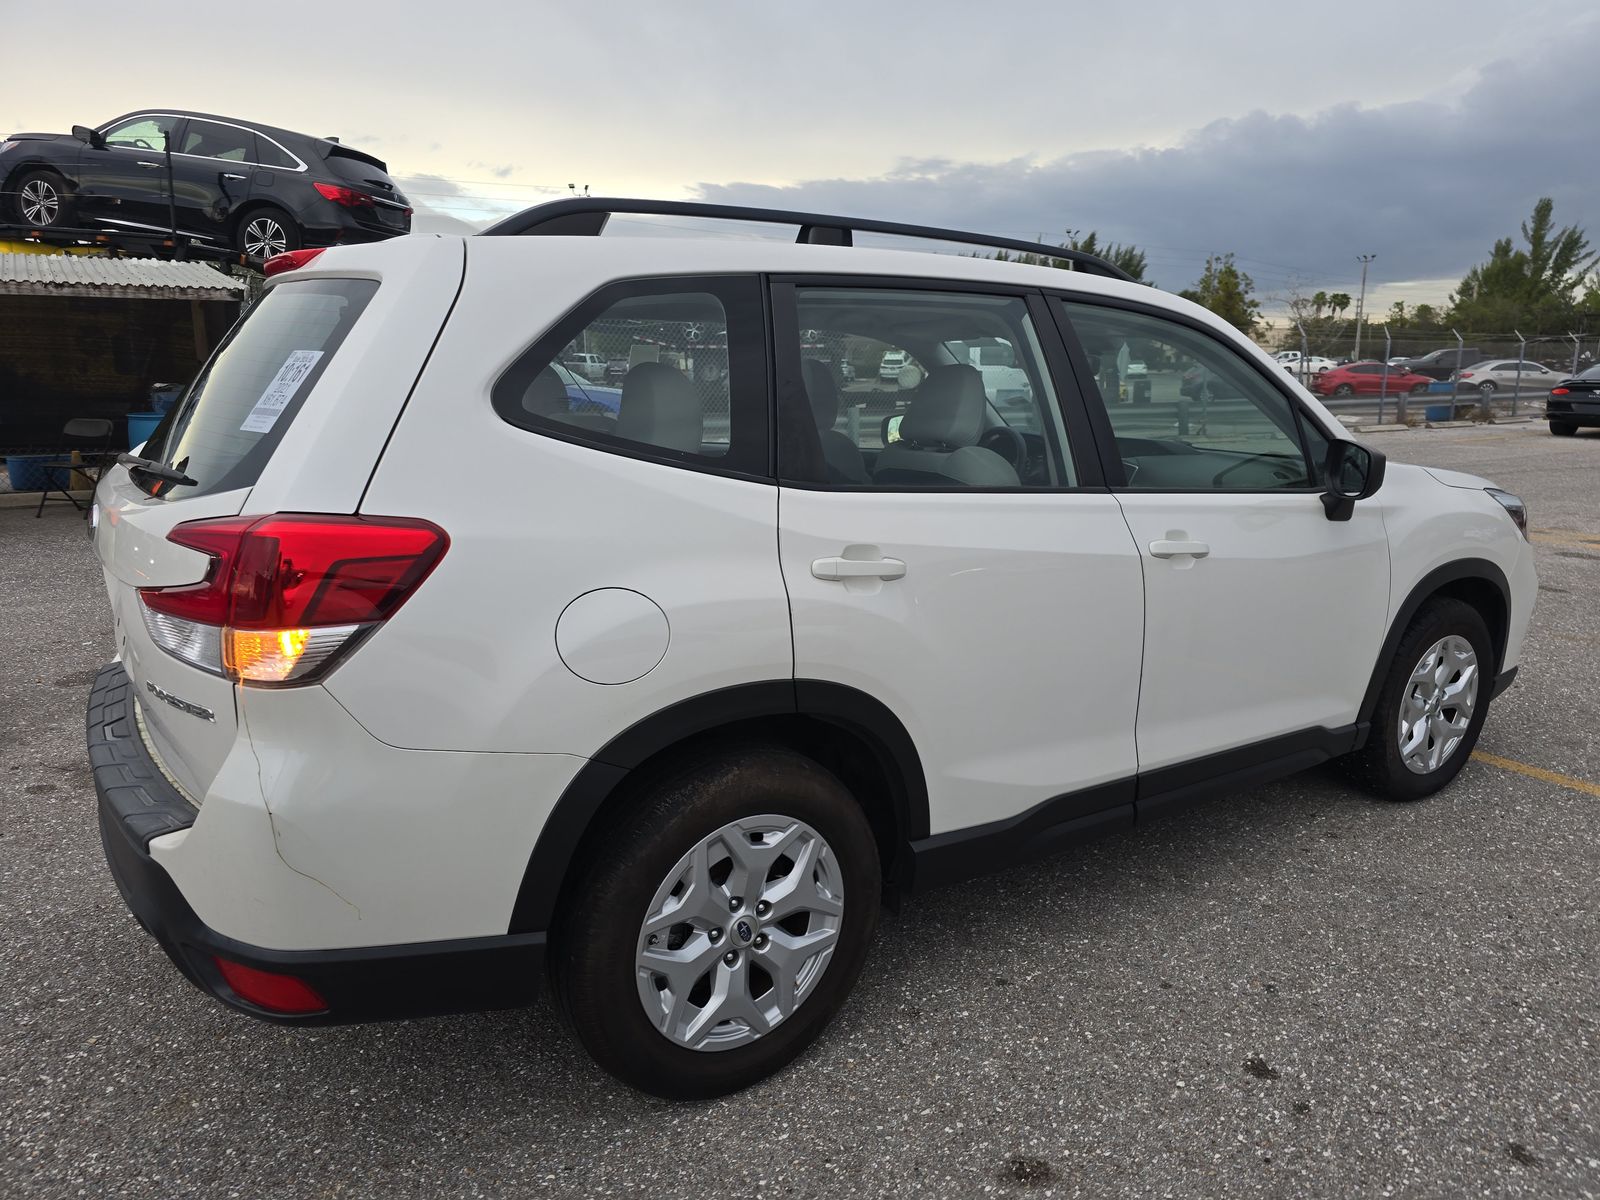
(586, 216)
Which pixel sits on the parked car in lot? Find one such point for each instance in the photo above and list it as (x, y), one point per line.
(657, 703)
(255, 188)
(1441, 364)
(1496, 373)
(1573, 402)
(1368, 379)
(1312, 365)
(591, 366)
(892, 363)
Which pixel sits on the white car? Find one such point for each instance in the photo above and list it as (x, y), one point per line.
(1304, 368)
(1508, 374)
(893, 363)
(429, 688)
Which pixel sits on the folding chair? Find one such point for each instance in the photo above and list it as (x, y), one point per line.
(94, 434)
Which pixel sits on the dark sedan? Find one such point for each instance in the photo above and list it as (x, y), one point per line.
(1574, 402)
(238, 184)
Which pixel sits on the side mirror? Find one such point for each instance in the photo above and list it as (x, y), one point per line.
(1353, 472)
(89, 136)
(891, 428)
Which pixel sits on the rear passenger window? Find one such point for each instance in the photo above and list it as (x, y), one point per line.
(684, 378)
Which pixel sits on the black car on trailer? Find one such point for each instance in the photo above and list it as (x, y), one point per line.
(224, 182)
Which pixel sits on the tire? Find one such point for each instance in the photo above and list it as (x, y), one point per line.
(40, 199)
(263, 232)
(1379, 766)
(1562, 429)
(1420, 389)
(601, 958)
(1487, 387)
(1344, 389)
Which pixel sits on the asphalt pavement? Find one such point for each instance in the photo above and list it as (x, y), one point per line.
(1296, 991)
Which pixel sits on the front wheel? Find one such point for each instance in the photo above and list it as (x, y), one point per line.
(1563, 429)
(265, 232)
(1419, 389)
(719, 924)
(41, 199)
(1432, 705)
(1344, 389)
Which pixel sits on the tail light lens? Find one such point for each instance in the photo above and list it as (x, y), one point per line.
(289, 260)
(287, 595)
(1560, 391)
(347, 196)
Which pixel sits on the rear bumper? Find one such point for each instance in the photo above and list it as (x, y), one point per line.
(136, 803)
(1573, 412)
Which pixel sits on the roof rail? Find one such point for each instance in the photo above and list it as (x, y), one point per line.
(586, 216)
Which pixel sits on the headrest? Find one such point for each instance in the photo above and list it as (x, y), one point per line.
(660, 408)
(823, 392)
(546, 396)
(948, 409)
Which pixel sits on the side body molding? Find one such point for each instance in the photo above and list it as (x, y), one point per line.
(602, 779)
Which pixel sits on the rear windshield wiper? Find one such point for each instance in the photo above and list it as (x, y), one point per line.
(155, 470)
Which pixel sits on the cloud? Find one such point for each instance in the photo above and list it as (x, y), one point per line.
(501, 171)
(1427, 186)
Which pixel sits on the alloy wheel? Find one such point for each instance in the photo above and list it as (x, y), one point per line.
(40, 202)
(1436, 709)
(264, 237)
(739, 932)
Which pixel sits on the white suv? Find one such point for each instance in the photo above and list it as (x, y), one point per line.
(438, 674)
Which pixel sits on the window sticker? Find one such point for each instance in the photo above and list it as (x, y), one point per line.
(280, 391)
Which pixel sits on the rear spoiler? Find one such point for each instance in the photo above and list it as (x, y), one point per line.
(335, 150)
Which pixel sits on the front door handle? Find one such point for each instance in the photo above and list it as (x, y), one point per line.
(1166, 549)
(857, 568)
(151, 165)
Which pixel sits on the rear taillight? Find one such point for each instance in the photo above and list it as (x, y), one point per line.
(290, 260)
(347, 196)
(270, 990)
(1560, 391)
(1464, 375)
(287, 595)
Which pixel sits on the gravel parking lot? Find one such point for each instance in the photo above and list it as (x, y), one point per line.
(1292, 992)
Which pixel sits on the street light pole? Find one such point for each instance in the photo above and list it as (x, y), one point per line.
(1361, 304)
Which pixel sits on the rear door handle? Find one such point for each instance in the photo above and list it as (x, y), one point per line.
(856, 568)
(228, 176)
(1174, 549)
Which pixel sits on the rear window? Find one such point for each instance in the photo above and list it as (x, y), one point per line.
(235, 413)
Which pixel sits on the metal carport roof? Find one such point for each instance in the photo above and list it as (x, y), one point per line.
(126, 278)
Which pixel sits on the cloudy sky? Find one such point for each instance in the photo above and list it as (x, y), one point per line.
(1296, 136)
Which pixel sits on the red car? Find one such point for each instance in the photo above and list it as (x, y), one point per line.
(1366, 379)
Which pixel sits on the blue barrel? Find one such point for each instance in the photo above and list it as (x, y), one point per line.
(140, 426)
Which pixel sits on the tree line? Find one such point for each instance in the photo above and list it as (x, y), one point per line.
(1549, 285)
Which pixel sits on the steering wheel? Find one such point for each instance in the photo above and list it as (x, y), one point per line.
(1009, 445)
(142, 144)
(1280, 470)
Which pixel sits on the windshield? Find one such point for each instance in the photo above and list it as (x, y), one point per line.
(234, 414)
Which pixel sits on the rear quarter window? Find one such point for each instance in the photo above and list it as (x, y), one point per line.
(235, 413)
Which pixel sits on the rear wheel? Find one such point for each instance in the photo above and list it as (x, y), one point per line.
(1344, 389)
(1432, 705)
(1563, 429)
(263, 232)
(40, 199)
(1487, 387)
(720, 924)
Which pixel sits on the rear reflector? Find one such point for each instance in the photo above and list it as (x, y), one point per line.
(269, 990)
(290, 260)
(285, 596)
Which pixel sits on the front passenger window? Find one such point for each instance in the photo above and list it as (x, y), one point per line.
(1200, 417)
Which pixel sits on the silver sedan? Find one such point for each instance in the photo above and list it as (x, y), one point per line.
(1500, 374)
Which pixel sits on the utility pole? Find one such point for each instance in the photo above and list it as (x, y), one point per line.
(1361, 304)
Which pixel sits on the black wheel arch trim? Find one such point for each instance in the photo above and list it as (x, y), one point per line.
(1478, 569)
(599, 779)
